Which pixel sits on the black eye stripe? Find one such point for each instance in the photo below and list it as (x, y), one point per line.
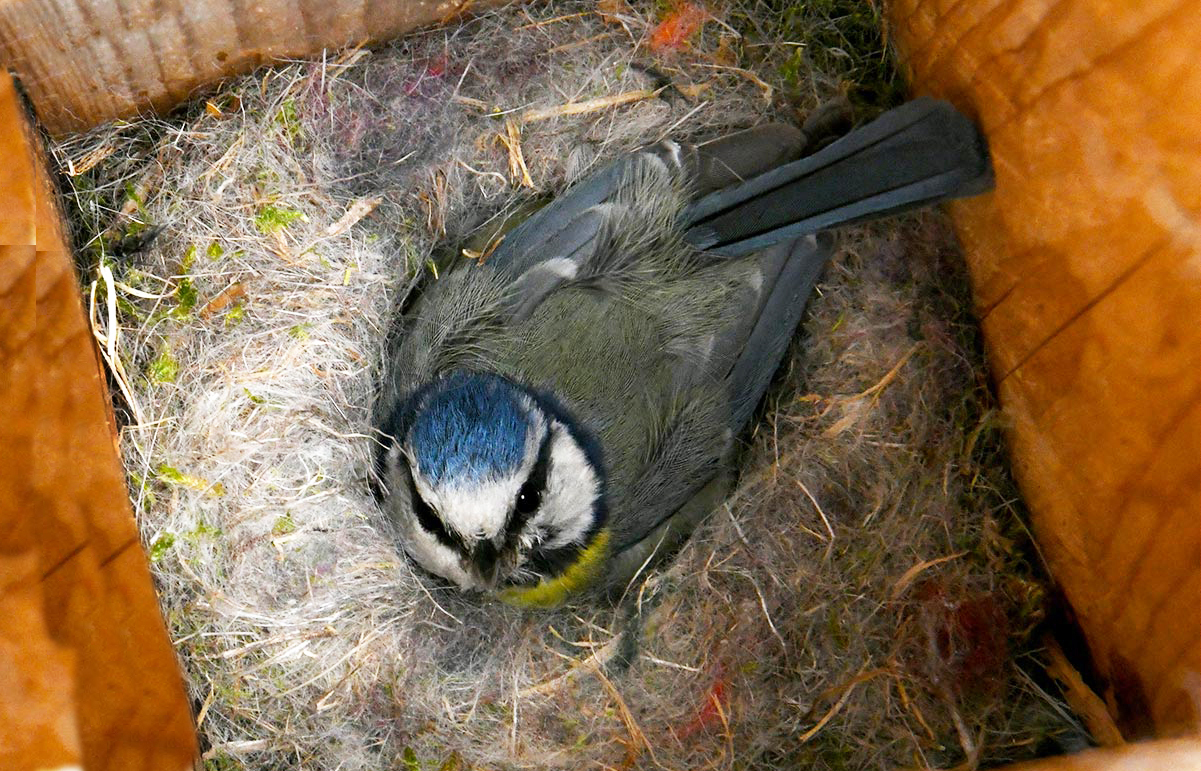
(429, 519)
(529, 497)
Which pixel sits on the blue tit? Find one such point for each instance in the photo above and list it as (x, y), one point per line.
(559, 416)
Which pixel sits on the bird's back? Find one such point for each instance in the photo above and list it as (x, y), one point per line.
(659, 351)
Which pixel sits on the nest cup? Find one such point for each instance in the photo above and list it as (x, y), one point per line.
(866, 598)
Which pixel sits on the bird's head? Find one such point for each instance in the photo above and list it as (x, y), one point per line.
(491, 484)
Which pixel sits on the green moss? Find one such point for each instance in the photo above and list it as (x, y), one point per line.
(219, 761)
(185, 298)
(201, 531)
(163, 368)
(161, 545)
(173, 476)
(131, 194)
(271, 219)
(128, 308)
(453, 762)
(189, 257)
(288, 119)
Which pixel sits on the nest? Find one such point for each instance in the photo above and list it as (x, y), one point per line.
(865, 599)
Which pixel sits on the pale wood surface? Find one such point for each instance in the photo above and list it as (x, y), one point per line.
(1161, 755)
(1086, 265)
(87, 673)
(84, 62)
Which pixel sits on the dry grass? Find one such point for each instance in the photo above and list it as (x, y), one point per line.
(863, 601)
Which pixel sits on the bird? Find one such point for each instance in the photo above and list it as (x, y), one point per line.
(559, 416)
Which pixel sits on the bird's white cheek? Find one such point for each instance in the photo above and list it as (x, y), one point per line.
(571, 491)
(434, 556)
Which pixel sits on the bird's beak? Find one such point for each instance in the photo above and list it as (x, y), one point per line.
(484, 562)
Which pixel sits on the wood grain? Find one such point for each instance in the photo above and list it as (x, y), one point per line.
(87, 674)
(85, 62)
(1086, 268)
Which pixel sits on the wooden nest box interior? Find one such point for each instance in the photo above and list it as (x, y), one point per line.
(1086, 273)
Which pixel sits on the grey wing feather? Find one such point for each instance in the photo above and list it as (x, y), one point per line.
(919, 153)
(740, 156)
(571, 220)
(568, 218)
(566, 253)
(790, 271)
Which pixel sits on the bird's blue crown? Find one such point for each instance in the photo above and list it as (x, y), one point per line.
(469, 428)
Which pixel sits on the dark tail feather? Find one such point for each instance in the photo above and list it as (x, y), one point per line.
(920, 153)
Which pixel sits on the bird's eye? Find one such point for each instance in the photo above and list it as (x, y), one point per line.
(529, 498)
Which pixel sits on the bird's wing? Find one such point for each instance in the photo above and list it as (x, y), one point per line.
(719, 382)
(573, 236)
(755, 345)
(920, 153)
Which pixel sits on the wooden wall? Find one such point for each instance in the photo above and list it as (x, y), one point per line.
(88, 61)
(1086, 265)
(1161, 755)
(88, 677)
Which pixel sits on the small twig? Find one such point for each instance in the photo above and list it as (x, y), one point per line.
(860, 678)
(725, 723)
(478, 104)
(665, 133)
(1082, 699)
(737, 527)
(816, 505)
(907, 578)
(144, 295)
(481, 173)
(765, 87)
(236, 748)
(516, 703)
(511, 139)
(627, 717)
(854, 404)
(970, 748)
(908, 704)
(771, 624)
(596, 661)
(890, 376)
(578, 43)
(230, 294)
(89, 160)
(357, 210)
(544, 22)
(669, 664)
(590, 105)
(108, 339)
(204, 708)
(219, 165)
